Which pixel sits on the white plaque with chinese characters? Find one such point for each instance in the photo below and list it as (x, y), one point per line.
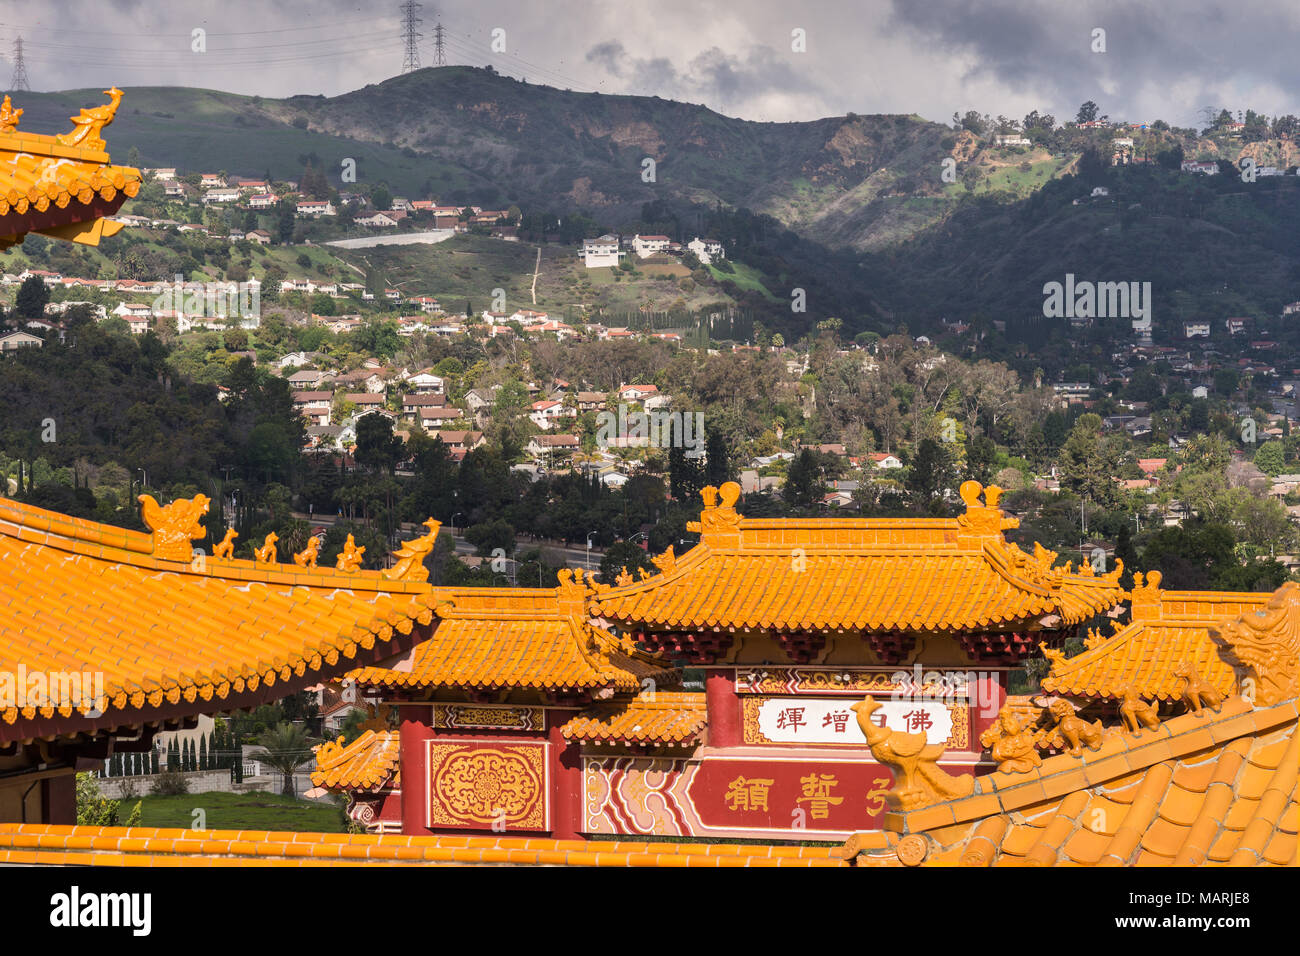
(818, 720)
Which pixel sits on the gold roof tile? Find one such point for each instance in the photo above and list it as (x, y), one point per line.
(160, 631)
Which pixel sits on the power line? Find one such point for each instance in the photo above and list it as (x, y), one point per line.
(185, 51)
(19, 83)
(330, 25)
(474, 52)
(410, 35)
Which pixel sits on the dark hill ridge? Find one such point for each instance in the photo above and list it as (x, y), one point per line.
(465, 134)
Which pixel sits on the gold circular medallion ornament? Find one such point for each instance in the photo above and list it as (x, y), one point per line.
(912, 849)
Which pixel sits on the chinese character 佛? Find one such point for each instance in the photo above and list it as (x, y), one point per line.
(918, 720)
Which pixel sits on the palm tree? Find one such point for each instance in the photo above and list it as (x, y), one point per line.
(285, 747)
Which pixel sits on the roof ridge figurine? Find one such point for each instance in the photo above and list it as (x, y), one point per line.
(411, 555)
(174, 525)
(88, 124)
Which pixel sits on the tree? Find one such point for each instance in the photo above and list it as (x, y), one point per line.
(685, 475)
(381, 198)
(285, 227)
(1087, 113)
(1192, 556)
(931, 473)
(1271, 458)
(377, 447)
(623, 554)
(489, 536)
(804, 487)
(284, 748)
(32, 297)
(314, 185)
(717, 468)
(1089, 461)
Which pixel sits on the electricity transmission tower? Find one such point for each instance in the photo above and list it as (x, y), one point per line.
(20, 81)
(411, 35)
(439, 52)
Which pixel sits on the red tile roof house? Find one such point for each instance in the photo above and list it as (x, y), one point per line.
(546, 414)
(635, 393)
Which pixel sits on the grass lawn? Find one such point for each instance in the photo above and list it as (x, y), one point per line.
(238, 811)
(746, 277)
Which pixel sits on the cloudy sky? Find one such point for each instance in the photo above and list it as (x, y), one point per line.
(931, 57)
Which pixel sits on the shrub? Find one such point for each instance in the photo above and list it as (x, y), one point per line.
(170, 783)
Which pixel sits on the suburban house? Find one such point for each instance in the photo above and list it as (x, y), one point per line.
(549, 447)
(260, 236)
(706, 250)
(461, 441)
(314, 405)
(426, 383)
(433, 417)
(381, 219)
(221, 195)
(1204, 169)
(477, 399)
(411, 404)
(313, 209)
(305, 378)
(20, 340)
(637, 393)
(646, 246)
(1193, 330)
(885, 461)
(1013, 139)
(545, 414)
(600, 253)
(263, 201)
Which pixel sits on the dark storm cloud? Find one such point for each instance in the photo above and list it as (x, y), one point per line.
(726, 81)
(1184, 56)
(929, 57)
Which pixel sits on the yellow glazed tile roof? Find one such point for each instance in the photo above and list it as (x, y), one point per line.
(865, 574)
(1210, 790)
(371, 762)
(1215, 785)
(80, 597)
(652, 717)
(1169, 629)
(45, 844)
(493, 638)
(61, 185)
